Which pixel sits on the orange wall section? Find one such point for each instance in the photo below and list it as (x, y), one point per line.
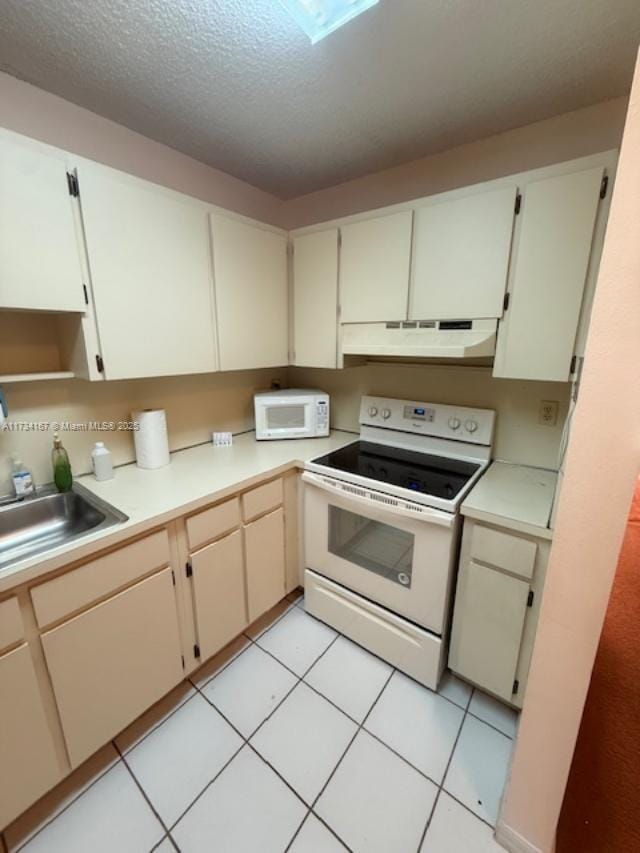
(602, 801)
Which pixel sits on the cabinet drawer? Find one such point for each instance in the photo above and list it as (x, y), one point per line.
(85, 585)
(213, 522)
(112, 662)
(261, 500)
(511, 553)
(11, 627)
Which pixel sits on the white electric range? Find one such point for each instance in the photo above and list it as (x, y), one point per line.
(382, 527)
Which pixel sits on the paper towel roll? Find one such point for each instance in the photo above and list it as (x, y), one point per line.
(151, 439)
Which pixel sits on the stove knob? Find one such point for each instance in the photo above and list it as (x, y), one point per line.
(471, 426)
(372, 411)
(454, 423)
(386, 413)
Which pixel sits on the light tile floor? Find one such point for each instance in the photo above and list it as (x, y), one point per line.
(292, 739)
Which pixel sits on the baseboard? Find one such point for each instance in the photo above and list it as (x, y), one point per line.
(513, 841)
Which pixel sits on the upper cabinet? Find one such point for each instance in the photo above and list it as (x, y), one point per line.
(250, 271)
(461, 257)
(315, 299)
(150, 267)
(39, 253)
(537, 335)
(375, 259)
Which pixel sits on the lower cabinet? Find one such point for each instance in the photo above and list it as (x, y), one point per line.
(498, 593)
(265, 562)
(27, 753)
(112, 662)
(219, 593)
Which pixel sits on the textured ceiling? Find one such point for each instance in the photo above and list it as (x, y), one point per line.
(236, 84)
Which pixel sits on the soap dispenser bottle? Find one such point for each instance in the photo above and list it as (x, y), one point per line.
(22, 478)
(61, 466)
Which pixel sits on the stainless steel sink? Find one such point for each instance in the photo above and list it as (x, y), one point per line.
(48, 519)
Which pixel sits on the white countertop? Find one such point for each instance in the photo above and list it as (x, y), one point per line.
(514, 496)
(194, 477)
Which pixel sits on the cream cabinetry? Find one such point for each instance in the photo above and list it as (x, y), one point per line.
(39, 252)
(219, 593)
(237, 563)
(110, 663)
(461, 256)
(251, 287)
(27, 753)
(537, 335)
(498, 594)
(150, 266)
(375, 258)
(264, 543)
(315, 299)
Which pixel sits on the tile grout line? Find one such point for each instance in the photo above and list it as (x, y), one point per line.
(142, 791)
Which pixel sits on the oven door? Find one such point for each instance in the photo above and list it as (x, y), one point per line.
(292, 418)
(394, 552)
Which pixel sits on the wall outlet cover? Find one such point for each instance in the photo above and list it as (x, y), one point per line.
(548, 412)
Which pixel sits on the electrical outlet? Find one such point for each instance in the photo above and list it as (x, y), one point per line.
(548, 412)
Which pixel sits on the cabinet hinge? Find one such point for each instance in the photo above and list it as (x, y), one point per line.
(530, 598)
(518, 204)
(196, 651)
(72, 184)
(188, 569)
(100, 364)
(604, 185)
(572, 366)
(86, 294)
(516, 686)
(506, 300)
(182, 658)
(173, 577)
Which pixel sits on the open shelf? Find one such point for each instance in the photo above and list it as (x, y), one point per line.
(36, 377)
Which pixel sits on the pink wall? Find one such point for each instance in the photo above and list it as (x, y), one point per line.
(565, 137)
(602, 464)
(40, 115)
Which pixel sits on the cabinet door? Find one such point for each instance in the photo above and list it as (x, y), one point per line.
(375, 259)
(27, 753)
(461, 257)
(39, 256)
(219, 593)
(250, 268)
(315, 299)
(112, 662)
(537, 335)
(265, 561)
(151, 275)
(488, 621)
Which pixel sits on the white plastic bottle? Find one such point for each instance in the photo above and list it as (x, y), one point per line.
(22, 478)
(102, 461)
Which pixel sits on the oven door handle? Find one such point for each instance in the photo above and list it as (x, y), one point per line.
(423, 513)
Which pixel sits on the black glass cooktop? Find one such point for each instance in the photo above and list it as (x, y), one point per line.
(420, 472)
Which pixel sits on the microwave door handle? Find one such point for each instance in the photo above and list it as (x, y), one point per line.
(426, 513)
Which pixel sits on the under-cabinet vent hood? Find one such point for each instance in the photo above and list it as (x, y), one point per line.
(421, 339)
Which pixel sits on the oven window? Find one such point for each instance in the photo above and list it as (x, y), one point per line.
(372, 545)
(285, 417)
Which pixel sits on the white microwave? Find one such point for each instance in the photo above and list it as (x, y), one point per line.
(291, 413)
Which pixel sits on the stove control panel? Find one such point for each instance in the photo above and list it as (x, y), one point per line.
(475, 426)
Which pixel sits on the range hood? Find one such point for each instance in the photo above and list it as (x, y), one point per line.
(422, 339)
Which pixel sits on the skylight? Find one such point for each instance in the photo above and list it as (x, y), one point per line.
(318, 18)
